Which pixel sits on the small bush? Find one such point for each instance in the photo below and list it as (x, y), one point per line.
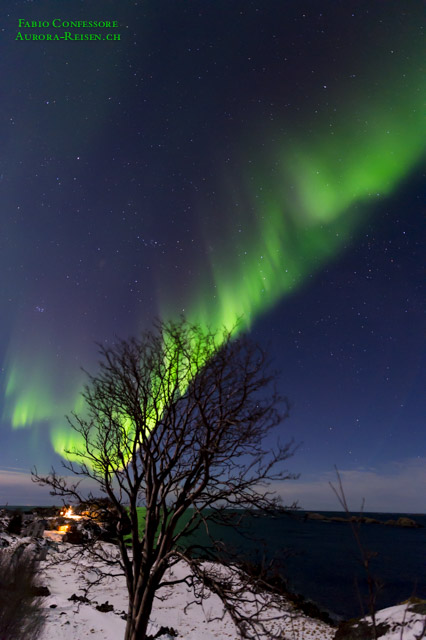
(20, 612)
(15, 523)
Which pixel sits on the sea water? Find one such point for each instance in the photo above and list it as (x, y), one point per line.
(322, 561)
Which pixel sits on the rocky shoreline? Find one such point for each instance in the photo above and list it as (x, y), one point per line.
(403, 521)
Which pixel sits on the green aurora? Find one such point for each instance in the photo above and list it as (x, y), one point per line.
(322, 190)
(322, 187)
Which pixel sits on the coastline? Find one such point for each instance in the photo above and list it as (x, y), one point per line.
(102, 615)
(306, 553)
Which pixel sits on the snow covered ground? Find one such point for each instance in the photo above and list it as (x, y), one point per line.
(69, 619)
(403, 623)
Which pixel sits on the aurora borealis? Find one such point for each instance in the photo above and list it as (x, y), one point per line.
(246, 161)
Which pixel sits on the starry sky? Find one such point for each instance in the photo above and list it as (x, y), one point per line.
(225, 160)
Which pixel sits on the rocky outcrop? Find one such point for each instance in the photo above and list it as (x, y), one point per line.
(15, 524)
(315, 516)
(359, 630)
(403, 521)
(105, 607)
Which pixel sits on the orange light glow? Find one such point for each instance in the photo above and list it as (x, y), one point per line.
(64, 528)
(68, 513)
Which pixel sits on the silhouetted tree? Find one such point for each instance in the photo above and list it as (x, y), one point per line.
(176, 421)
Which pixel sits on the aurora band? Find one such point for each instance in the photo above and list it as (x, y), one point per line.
(323, 187)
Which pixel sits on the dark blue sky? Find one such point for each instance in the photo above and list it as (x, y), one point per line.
(154, 174)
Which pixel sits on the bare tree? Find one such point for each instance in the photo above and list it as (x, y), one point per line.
(176, 421)
(366, 556)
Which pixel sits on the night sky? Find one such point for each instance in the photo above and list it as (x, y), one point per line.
(224, 159)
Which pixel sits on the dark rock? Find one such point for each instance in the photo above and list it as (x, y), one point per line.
(419, 607)
(15, 524)
(172, 632)
(308, 607)
(76, 598)
(342, 519)
(372, 521)
(403, 521)
(105, 607)
(359, 630)
(53, 606)
(407, 522)
(76, 535)
(416, 605)
(41, 592)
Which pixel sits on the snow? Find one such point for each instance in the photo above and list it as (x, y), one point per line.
(400, 616)
(70, 620)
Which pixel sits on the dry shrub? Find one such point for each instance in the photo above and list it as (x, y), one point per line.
(21, 615)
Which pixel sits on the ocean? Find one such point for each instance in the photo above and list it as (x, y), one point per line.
(322, 562)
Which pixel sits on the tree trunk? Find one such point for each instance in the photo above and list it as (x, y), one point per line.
(137, 625)
(136, 629)
(139, 613)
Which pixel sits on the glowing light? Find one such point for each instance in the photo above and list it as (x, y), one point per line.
(69, 514)
(63, 528)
